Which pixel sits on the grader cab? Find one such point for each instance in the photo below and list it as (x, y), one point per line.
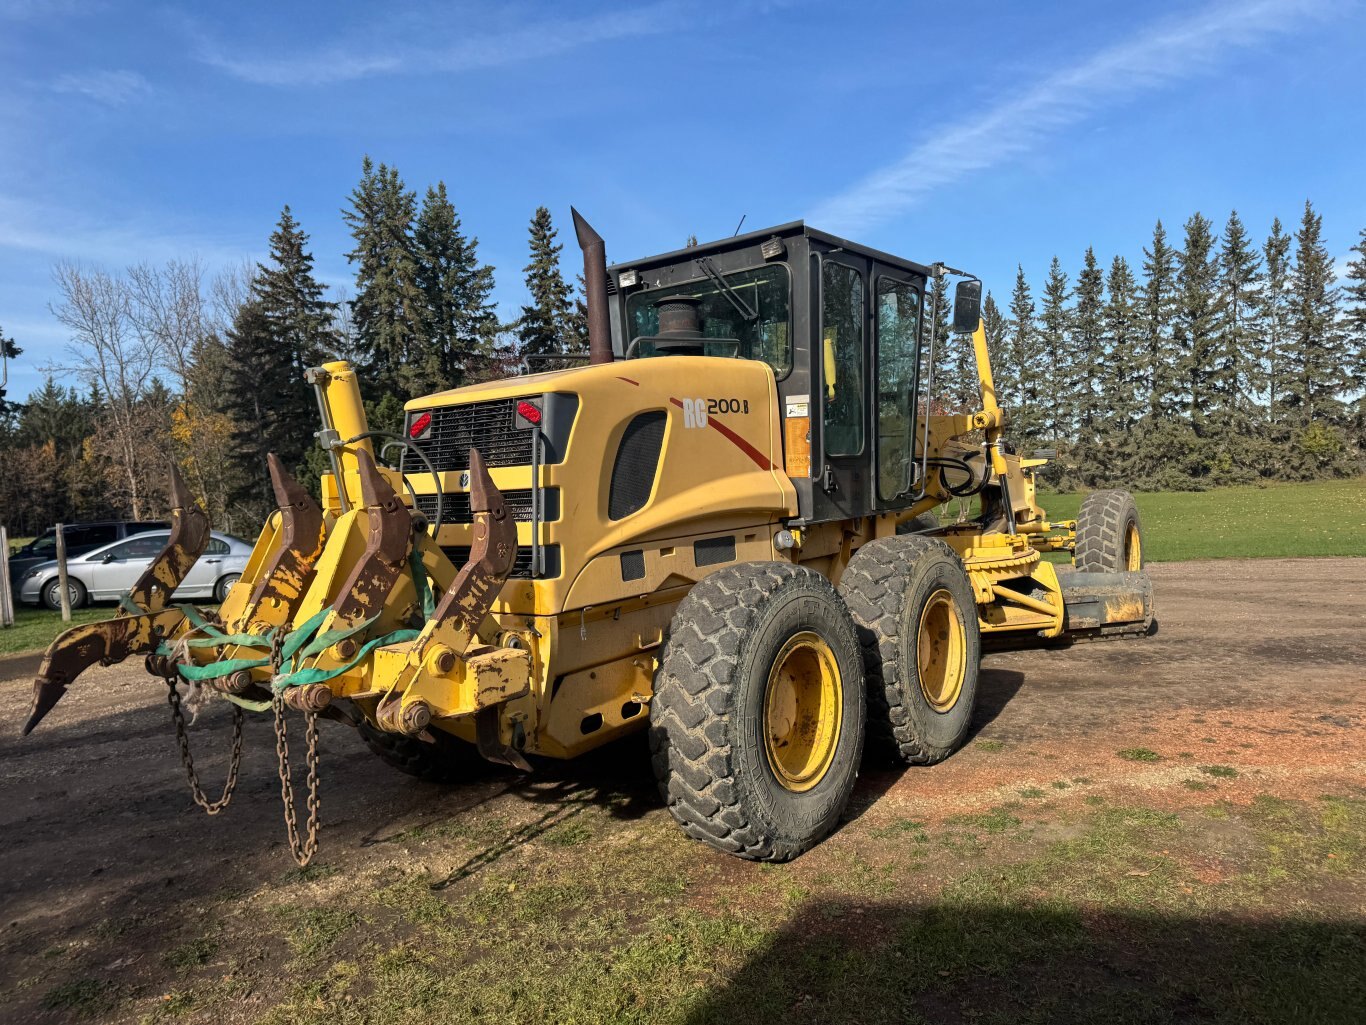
(714, 529)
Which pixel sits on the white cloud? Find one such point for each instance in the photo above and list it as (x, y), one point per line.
(1165, 53)
(460, 49)
(112, 88)
(56, 233)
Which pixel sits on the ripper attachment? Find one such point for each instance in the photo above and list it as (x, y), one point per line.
(143, 619)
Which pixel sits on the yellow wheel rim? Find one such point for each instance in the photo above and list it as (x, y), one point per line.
(1133, 549)
(941, 651)
(803, 706)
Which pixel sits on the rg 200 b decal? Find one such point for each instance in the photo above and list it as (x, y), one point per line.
(696, 411)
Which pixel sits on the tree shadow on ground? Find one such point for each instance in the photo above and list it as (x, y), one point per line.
(840, 962)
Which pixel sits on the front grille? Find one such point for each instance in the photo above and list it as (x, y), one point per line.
(455, 507)
(487, 426)
(521, 566)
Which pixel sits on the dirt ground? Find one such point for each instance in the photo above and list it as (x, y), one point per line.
(1252, 690)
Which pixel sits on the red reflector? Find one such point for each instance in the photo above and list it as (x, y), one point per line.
(420, 425)
(531, 414)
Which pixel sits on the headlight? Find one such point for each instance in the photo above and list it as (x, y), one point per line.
(32, 573)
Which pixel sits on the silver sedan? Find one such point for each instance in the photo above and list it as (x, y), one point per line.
(106, 573)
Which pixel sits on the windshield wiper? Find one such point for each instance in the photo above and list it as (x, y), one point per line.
(732, 296)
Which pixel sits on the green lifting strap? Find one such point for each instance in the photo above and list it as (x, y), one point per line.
(315, 674)
(300, 644)
(248, 703)
(216, 669)
(421, 585)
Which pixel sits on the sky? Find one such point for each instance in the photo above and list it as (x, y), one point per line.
(982, 134)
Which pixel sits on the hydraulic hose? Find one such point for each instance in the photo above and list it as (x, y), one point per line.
(408, 444)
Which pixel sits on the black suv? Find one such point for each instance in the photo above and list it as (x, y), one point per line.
(80, 538)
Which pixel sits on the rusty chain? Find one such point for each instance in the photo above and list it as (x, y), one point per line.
(196, 791)
(302, 850)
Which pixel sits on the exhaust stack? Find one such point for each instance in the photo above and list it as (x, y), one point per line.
(595, 288)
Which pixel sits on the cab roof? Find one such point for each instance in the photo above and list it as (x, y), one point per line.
(749, 238)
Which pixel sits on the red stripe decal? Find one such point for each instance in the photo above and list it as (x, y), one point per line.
(629, 381)
(761, 460)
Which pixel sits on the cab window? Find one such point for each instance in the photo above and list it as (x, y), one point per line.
(842, 358)
(765, 291)
(898, 326)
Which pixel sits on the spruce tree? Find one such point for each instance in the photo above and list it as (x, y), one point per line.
(1023, 367)
(261, 396)
(1354, 292)
(460, 318)
(1354, 295)
(1233, 371)
(545, 324)
(1196, 321)
(1086, 352)
(285, 328)
(1157, 301)
(1273, 322)
(997, 330)
(1318, 371)
(8, 351)
(291, 299)
(1120, 373)
(945, 387)
(389, 309)
(1055, 327)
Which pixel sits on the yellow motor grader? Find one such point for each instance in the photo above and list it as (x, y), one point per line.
(714, 529)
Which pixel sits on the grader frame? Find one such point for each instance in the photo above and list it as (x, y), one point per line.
(528, 580)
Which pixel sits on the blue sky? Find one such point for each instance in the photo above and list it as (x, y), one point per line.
(982, 134)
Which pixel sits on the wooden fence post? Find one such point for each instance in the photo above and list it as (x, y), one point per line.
(61, 574)
(6, 597)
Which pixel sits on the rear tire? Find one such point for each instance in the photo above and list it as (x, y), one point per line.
(925, 521)
(52, 593)
(922, 648)
(447, 759)
(756, 727)
(1109, 534)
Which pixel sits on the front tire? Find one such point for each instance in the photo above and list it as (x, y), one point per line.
(52, 593)
(756, 727)
(922, 648)
(446, 759)
(1109, 534)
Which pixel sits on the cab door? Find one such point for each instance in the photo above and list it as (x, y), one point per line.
(841, 371)
(897, 309)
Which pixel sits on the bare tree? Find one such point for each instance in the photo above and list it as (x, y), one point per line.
(229, 291)
(108, 352)
(166, 305)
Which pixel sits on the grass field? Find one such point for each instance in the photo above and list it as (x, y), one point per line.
(1279, 521)
(35, 628)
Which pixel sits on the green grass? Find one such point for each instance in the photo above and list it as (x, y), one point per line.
(1139, 754)
(1280, 520)
(34, 629)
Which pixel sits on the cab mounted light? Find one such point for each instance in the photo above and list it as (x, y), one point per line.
(772, 248)
(628, 279)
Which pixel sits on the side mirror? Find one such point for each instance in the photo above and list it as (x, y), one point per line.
(967, 306)
(108, 557)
